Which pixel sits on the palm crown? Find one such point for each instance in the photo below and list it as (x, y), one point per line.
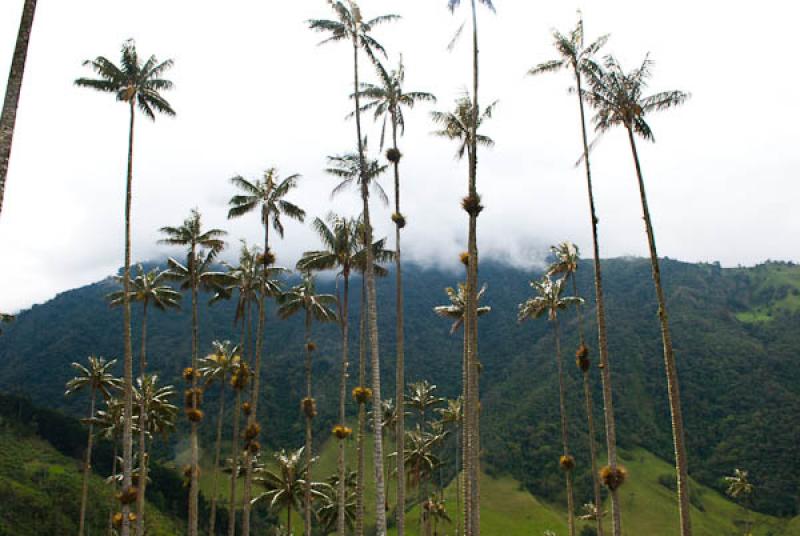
(220, 363)
(197, 270)
(304, 297)
(147, 287)
(566, 258)
(284, 486)
(738, 485)
(350, 24)
(548, 300)
(95, 376)
(159, 411)
(388, 98)
(457, 125)
(619, 97)
(458, 305)
(453, 4)
(574, 53)
(134, 81)
(269, 195)
(347, 167)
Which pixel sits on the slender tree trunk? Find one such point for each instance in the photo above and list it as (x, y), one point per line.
(587, 396)
(459, 476)
(194, 485)
(248, 480)
(127, 412)
(113, 509)
(309, 438)
(678, 436)
(342, 491)
(605, 366)
(372, 319)
(142, 429)
(87, 466)
(217, 448)
(289, 519)
(235, 454)
(9, 115)
(362, 412)
(465, 428)
(400, 381)
(564, 430)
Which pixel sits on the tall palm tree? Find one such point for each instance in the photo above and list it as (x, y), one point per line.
(109, 425)
(146, 288)
(268, 196)
(421, 397)
(421, 461)
(342, 247)
(387, 101)
(328, 511)
(453, 415)
(96, 377)
(319, 307)
(350, 25)
(619, 99)
(472, 205)
(566, 261)
(13, 89)
(286, 486)
(578, 57)
(202, 249)
(217, 367)
(241, 376)
(549, 301)
(139, 84)
(741, 489)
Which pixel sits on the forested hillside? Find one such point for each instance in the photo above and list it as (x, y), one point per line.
(735, 333)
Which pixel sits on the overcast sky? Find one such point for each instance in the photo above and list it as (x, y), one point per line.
(254, 90)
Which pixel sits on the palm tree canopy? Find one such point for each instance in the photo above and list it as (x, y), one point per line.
(572, 51)
(220, 363)
(453, 413)
(109, 421)
(548, 300)
(388, 98)
(304, 297)
(456, 125)
(133, 81)
(420, 459)
(96, 375)
(347, 167)
(191, 233)
(269, 195)
(421, 395)
(453, 4)
(566, 259)
(160, 412)
(738, 484)
(147, 287)
(619, 99)
(458, 305)
(285, 485)
(350, 25)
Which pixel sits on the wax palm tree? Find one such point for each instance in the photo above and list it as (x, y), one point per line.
(740, 489)
(13, 89)
(202, 248)
(319, 307)
(342, 251)
(96, 377)
(286, 486)
(619, 100)
(387, 101)
(452, 415)
(549, 300)
(217, 367)
(109, 425)
(566, 260)
(421, 461)
(421, 397)
(268, 196)
(350, 25)
(146, 288)
(139, 84)
(472, 205)
(328, 510)
(241, 376)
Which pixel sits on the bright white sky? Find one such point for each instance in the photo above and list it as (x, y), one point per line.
(253, 90)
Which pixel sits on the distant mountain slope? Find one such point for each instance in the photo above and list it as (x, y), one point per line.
(738, 366)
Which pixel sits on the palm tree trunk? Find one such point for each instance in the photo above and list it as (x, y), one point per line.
(112, 510)
(605, 366)
(289, 519)
(245, 339)
(465, 458)
(217, 447)
(587, 396)
(142, 429)
(127, 412)
(13, 89)
(372, 320)
(309, 417)
(678, 436)
(400, 381)
(87, 466)
(194, 486)
(248, 480)
(341, 498)
(459, 476)
(362, 417)
(564, 436)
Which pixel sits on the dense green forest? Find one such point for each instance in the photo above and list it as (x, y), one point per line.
(735, 338)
